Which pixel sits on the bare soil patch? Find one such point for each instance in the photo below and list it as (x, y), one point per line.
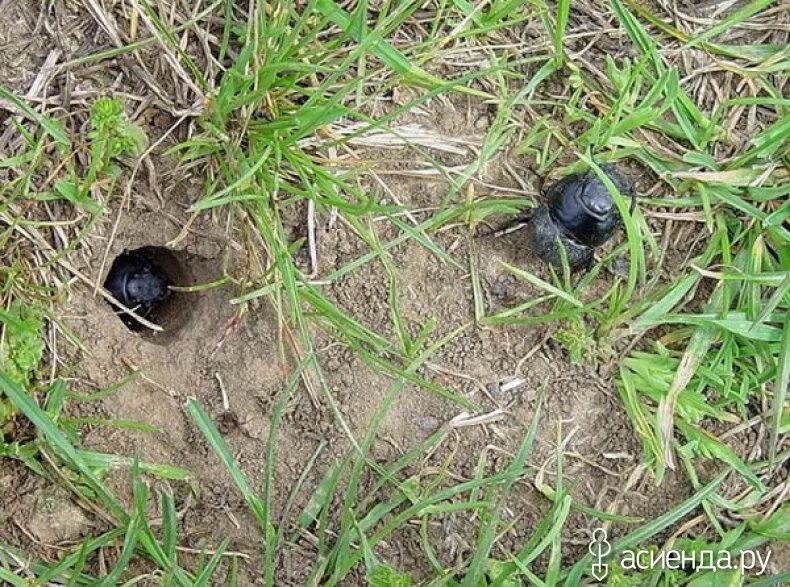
(221, 346)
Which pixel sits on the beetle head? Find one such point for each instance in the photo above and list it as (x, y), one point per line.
(584, 209)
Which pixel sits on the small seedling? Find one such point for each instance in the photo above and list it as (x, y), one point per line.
(577, 339)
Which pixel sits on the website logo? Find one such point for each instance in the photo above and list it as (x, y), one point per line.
(749, 562)
(600, 549)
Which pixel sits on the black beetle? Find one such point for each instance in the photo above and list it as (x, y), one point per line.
(580, 214)
(139, 283)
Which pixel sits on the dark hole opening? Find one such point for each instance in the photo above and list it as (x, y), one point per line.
(141, 279)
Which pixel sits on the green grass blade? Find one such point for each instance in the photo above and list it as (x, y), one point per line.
(487, 536)
(133, 530)
(110, 461)
(25, 404)
(212, 436)
(393, 58)
(203, 579)
(544, 285)
(563, 10)
(780, 388)
(52, 127)
(736, 17)
(13, 579)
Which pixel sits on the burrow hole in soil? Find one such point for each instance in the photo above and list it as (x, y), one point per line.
(142, 279)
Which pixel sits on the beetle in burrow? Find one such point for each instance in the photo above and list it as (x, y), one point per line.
(579, 214)
(138, 283)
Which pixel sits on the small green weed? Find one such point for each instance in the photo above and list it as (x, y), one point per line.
(22, 348)
(577, 339)
(112, 135)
